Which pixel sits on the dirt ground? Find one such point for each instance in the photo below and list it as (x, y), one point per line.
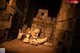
(17, 46)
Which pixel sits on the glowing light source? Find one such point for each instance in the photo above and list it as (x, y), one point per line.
(73, 1)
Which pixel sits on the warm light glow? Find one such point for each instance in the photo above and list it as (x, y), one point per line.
(75, 2)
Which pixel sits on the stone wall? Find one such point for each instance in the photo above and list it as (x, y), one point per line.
(44, 22)
(6, 16)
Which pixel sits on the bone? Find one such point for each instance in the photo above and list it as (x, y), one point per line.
(48, 44)
(37, 41)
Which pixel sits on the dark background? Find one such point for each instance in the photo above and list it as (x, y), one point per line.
(51, 5)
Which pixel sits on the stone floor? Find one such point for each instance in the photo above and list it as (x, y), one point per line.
(16, 46)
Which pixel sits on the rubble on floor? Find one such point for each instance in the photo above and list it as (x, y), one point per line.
(40, 31)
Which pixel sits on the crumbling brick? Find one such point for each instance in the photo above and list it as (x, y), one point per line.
(44, 21)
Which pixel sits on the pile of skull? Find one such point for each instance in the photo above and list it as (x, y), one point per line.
(32, 37)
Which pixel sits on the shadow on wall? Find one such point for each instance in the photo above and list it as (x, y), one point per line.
(76, 39)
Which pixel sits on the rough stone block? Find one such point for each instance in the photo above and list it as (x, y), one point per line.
(34, 25)
(35, 19)
(4, 16)
(7, 24)
(45, 22)
(38, 16)
(43, 12)
(10, 9)
(48, 18)
(2, 32)
(48, 44)
(44, 17)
